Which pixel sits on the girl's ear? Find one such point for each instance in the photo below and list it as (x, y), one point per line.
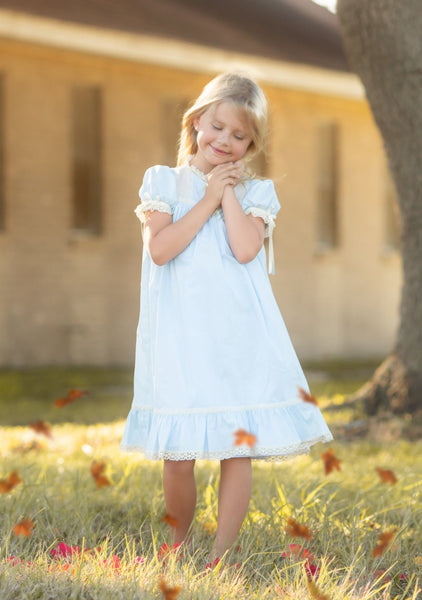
(196, 123)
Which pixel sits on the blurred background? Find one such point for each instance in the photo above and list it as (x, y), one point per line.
(91, 94)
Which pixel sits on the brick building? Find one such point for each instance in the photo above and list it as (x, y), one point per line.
(90, 96)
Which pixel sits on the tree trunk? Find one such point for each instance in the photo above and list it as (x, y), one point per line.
(383, 41)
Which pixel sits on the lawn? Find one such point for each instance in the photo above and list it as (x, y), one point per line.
(116, 530)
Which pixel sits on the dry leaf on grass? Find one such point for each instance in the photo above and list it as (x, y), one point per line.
(169, 593)
(24, 527)
(9, 483)
(97, 469)
(386, 475)
(331, 462)
(384, 540)
(295, 529)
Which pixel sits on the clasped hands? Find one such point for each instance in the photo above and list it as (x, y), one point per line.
(221, 176)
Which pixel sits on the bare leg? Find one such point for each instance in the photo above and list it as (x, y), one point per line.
(233, 501)
(180, 495)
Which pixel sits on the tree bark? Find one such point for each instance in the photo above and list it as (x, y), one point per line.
(383, 41)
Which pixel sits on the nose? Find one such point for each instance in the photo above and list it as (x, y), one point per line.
(224, 137)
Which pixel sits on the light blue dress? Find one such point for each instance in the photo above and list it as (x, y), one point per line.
(213, 354)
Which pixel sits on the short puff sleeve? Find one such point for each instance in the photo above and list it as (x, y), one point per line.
(157, 192)
(261, 201)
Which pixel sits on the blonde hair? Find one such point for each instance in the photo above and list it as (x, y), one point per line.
(245, 94)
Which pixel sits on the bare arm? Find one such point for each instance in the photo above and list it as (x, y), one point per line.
(165, 239)
(245, 232)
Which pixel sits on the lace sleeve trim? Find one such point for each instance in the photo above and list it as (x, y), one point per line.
(150, 205)
(269, 220)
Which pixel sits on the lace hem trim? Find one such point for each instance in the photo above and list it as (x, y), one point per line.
(150, 205)
(268, 454)
(269, 221)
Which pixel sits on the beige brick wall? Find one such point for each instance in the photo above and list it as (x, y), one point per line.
(66, 298)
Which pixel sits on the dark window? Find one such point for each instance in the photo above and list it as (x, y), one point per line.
(172, 111)
(2, 187)
(86, 156)
(327, 185)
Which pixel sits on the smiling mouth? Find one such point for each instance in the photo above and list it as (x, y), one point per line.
(219, 152)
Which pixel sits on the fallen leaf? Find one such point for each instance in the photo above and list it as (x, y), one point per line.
(244, 437)
(111, 563)
(8, 484)
(297, 551)
(23, 527)
(307, 397)
(41, 427)
(97, 469)
(295, 529)
(386, 475)
(13, 560)
(314, 591)
(312, 570)
(165, 551)
(62, 550)
(384, 540)
(331, 462)
(171, 521)
(63, 567)
(169, 593)
(210, 527)
(72, 395)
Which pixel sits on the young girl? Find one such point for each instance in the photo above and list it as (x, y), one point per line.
(213, 355)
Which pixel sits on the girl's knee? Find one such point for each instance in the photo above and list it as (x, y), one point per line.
(240, 461)
(179, 467)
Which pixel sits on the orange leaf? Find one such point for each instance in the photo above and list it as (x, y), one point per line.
(72, 395)
(384, 540)
(9, 483)
(102, 481)
(97, 468)
(210, 527)
(244, 437)
(386, 475)
(41, 427)
(331, 462)
(171, 521)
(306, 397)
(314, 591)
(23, 527)
(169, 593)
(295, 529)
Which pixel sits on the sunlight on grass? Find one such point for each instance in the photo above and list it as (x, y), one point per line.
(116, 530)
(345, 512)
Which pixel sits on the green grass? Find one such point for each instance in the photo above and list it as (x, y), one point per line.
(27, 395)
(345, 511)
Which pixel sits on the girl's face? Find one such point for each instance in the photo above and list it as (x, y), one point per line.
(223, 136)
